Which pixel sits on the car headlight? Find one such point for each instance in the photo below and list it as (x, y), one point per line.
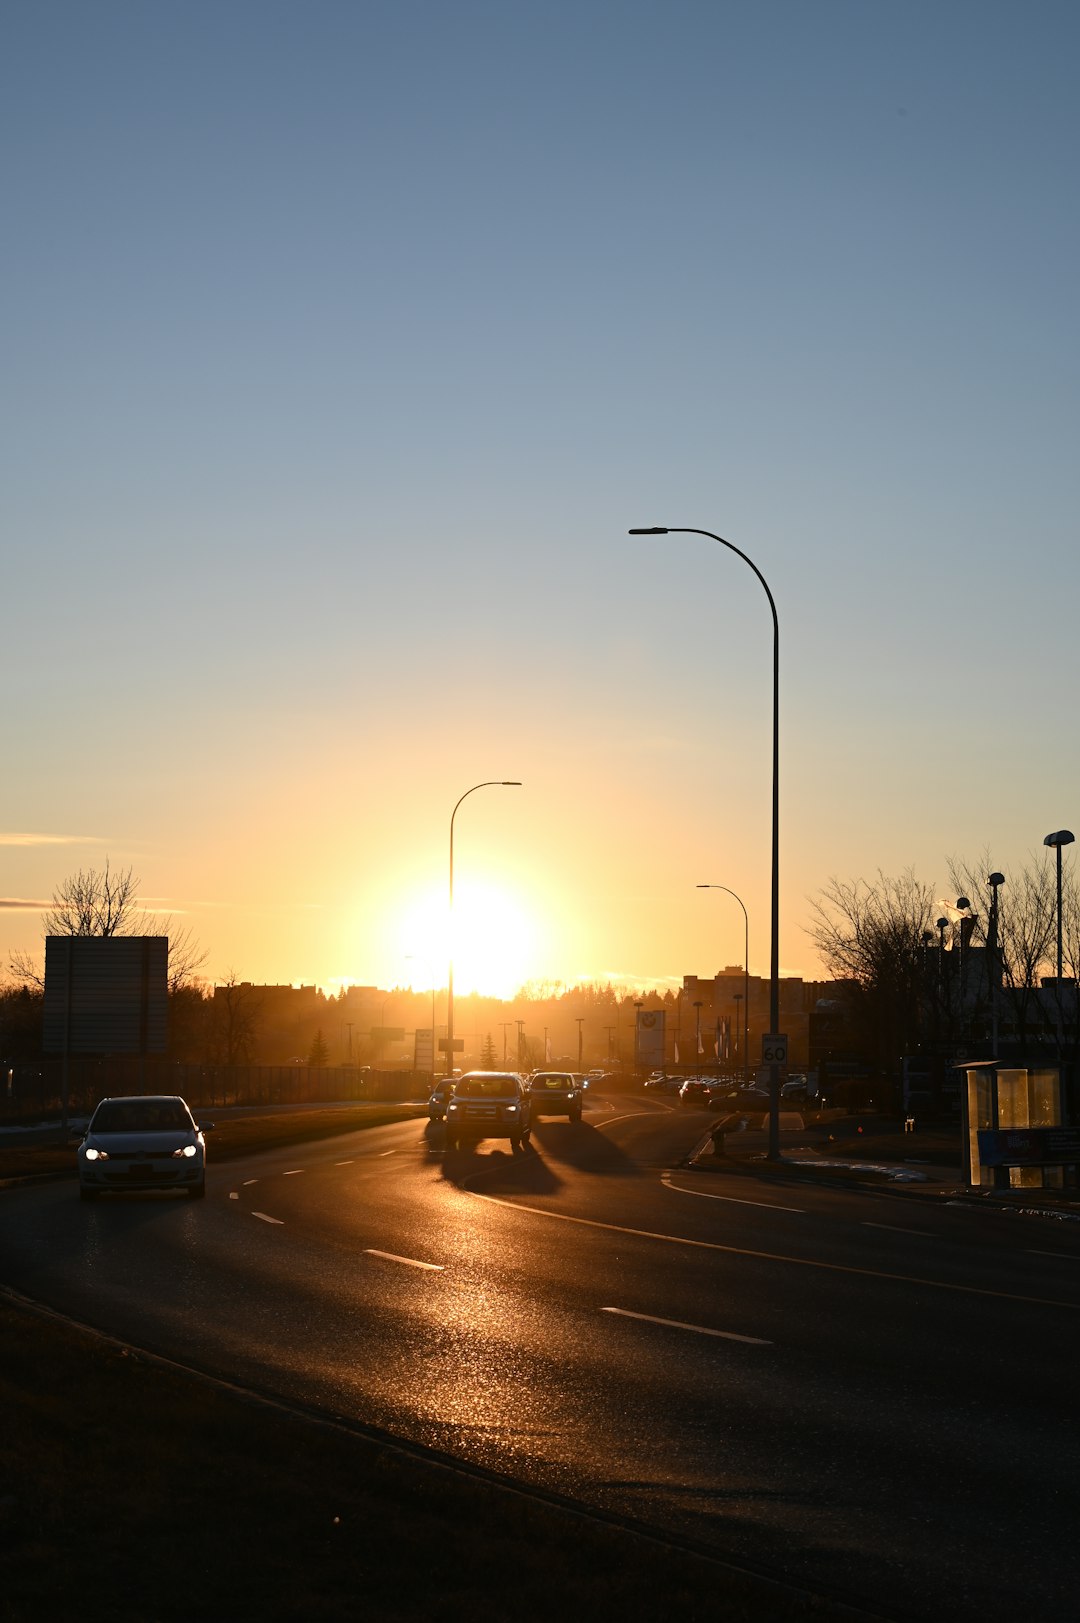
(96, 1155)
(185, 1152)
(510, 1109)
(452, 1110)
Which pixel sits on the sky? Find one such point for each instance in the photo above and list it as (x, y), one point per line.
(344, 343)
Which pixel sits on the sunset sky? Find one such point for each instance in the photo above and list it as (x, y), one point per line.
(342, 345)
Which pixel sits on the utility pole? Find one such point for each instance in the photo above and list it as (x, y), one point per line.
(580, 1018)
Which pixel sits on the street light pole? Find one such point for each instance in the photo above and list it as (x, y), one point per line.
(1056, 841)
(774, 966)
(995, 881)
(490, 783)
(746, 975)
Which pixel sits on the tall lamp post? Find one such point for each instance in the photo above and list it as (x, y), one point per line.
(746, 976)
(774, 965)
(993, 965)
(1056, 841)
(490, 783)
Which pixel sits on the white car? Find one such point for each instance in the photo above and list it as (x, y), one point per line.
(148, 1141)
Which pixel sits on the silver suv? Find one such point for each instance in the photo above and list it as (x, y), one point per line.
(555, 1093)
(488, 1104)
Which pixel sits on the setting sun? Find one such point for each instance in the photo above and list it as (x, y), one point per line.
(494, 941)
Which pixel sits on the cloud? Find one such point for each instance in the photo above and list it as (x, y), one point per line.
(49, 839)
(14, 904)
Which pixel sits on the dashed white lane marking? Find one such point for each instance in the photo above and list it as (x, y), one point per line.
(732, 1200)
(233, 1195)
(343, 1163)
(698, 1329)
(385, 1153)
(923, 1234)
(1062, 1256)
(248, 1181)
(295, 1173)
(628, 1116)
(410, 1262)
(265, 1218)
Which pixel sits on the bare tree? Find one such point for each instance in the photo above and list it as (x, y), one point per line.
(1027, 915)
(101, 902)
(234, 1023)
(872, 934)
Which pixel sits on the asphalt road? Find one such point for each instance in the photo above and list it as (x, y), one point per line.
(867, 1391)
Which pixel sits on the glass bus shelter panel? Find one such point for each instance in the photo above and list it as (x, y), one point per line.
(980, 1113)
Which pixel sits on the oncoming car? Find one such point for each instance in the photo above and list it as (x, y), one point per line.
(149, 1141)
(555, 1093)
(488, 1104)
(440, 1098)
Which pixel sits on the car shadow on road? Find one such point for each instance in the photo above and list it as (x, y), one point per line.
(581, 1146)
(500, 1171)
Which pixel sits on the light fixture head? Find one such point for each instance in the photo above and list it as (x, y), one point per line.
(1062, 837)
(996, 879)
(655, 529)
(962, 902)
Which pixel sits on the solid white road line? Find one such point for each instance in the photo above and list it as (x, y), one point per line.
(343, 1163)
(923, 1234)
(677, 1324)
(410, 1262)
(777, 1256)
(295, 1173)
(264, 1218)
(733, 1200)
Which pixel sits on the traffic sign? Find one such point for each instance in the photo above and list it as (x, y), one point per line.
(457, 1044)
(774, 1050)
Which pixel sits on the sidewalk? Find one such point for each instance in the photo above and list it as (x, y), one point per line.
(869, 1152)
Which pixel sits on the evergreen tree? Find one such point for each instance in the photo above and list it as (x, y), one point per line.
(319, 1054)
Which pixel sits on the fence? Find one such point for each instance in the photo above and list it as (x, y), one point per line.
(34, 1091)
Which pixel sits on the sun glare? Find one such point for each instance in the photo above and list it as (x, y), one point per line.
(493, 941)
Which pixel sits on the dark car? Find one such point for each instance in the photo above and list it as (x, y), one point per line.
(695, 1092)
(440, 1098)
(488, 1104)
(555, 1093)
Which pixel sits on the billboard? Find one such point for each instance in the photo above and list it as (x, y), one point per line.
(649, 1039)
(106, 994)
(424, 1049)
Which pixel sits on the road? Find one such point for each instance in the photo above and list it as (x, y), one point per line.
(865, 1391)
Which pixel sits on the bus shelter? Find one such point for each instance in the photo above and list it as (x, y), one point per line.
(1015, 1135)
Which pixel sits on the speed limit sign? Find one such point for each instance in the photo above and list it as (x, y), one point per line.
(774, 1050)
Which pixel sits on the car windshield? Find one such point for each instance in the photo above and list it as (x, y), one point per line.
(483, 1087)
(553, 1082)
(140, 1116)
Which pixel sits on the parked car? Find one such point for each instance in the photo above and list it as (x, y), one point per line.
(148, 1141)
(663, 1084)
(488, 1104)
(555, 1093)
(695, 1093)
